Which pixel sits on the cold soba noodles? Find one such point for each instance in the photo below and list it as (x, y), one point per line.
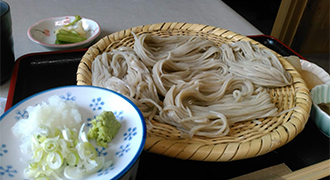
(192, 84)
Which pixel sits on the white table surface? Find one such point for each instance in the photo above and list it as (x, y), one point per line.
(116, 15)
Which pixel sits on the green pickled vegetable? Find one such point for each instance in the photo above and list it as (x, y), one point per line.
(105, 128)
(71, 33)
(76, 19)
(69, 38)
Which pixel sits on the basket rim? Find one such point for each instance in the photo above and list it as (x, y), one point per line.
(197, 149)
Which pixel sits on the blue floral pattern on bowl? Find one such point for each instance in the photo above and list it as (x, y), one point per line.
(21, 114)
(123, 150)
(7, 170)
(96, 104)
(68, 97)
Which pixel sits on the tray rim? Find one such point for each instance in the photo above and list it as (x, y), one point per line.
(277, 40)
(13, 80)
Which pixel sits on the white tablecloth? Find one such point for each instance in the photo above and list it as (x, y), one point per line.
(116, 15)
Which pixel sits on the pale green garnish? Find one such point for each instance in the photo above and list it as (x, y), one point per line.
(105, 128)
(71, 33)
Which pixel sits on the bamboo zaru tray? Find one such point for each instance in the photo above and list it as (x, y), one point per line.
(246, 139)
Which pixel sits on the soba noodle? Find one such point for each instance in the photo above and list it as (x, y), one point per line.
(190, 83)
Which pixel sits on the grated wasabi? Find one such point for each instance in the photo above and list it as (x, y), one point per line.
(105, 128)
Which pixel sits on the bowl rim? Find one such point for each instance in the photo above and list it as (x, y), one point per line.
(318, 121)
(144, 129)
(315, 69)
(90, 39)
(319, 111)
(317, 87)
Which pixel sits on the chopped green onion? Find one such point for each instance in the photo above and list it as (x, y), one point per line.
(67, 149)
(54, 160)
(72, 158)
(33, 166)
(72, 172)
(66, 134)
(38, 154)
(42, 178)
(50, 145)
(58, 133)
(62, 150)
(89, 150)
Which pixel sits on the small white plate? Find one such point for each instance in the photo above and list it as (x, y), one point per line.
(42, 32)
(124, 149)
(315, 69)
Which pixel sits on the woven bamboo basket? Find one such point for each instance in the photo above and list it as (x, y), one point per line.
(246, 139)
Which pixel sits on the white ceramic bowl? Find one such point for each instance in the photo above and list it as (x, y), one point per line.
(315, 69)
(42, 32)
(124, 149)
(321, 94)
